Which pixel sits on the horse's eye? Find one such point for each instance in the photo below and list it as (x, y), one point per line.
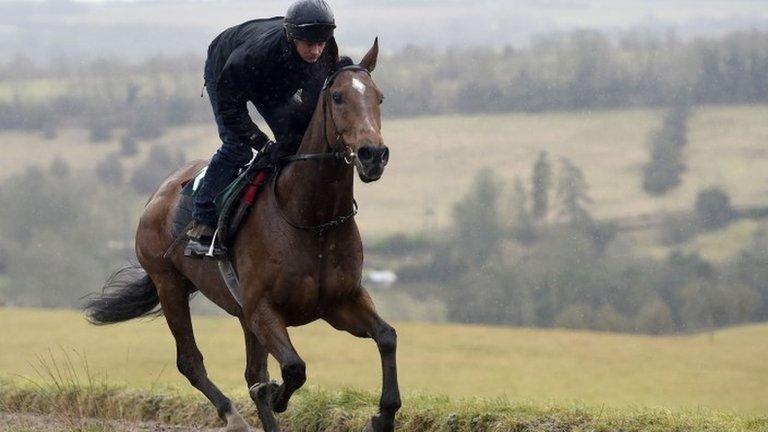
(336, 97)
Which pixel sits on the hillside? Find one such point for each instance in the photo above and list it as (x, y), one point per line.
(435, 158)
(722, 370)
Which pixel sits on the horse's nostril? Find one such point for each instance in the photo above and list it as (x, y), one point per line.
(365, 154)
(385, 155)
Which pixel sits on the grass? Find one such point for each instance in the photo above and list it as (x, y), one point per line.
(724, 370)
(716, 246)
(315, 410)
(42, 89)
(434, 158)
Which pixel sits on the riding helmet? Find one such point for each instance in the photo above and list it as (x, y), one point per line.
(310, 20)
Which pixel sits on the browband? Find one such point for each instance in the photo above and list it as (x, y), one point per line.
(329, 81)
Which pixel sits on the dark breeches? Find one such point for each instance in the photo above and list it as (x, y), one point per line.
(225, 164)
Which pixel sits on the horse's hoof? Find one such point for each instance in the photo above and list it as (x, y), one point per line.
(279, 403)
(236, 423)
(264, 393)
(370, 427)
(237, 428)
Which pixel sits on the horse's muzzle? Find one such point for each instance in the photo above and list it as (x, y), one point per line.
(371, 162)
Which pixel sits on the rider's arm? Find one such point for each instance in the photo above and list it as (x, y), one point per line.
(232, 88)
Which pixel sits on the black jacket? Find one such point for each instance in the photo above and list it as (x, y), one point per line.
(256, 62)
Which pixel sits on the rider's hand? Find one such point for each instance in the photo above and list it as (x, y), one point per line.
(258, 140)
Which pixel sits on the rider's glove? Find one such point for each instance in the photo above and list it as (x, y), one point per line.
(258, 140)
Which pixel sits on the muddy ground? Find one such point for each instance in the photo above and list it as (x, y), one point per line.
(18, 422)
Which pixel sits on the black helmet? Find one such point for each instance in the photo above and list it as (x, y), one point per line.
(310, 20)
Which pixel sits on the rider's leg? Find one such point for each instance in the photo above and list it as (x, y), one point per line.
(222, 170)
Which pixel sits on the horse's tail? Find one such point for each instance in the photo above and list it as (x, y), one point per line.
(128, 293)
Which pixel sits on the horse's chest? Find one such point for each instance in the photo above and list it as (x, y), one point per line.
(335, 273)
(327, 276)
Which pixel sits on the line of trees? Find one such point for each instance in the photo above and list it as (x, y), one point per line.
(580, 70)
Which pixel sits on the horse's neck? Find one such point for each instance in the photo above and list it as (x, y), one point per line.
(316, 191)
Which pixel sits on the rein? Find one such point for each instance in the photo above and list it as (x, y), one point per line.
(342, 152)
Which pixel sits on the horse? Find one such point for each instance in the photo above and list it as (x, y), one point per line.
(293, 267)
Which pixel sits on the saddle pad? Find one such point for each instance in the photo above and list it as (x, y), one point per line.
(232, 203)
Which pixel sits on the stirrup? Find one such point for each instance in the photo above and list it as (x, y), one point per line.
(196, 249)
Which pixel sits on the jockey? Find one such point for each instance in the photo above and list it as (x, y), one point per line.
(279, 64)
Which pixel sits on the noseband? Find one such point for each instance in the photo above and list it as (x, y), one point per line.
(339, 151)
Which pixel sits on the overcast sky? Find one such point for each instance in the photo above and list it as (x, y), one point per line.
(138, 29)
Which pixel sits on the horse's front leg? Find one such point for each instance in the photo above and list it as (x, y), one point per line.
(257, 377)
(358, 316)
(270, 329)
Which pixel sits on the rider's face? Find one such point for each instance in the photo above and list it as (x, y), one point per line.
(309, 51)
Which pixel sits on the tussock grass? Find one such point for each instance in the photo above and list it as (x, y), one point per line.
(316, 410)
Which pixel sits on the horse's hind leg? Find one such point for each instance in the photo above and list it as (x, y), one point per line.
(172, 290)
(358, 317)
(270, 329)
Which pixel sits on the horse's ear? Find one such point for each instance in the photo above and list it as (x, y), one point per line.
(369, 61)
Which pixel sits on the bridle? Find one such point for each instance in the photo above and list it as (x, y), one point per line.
(339, 151)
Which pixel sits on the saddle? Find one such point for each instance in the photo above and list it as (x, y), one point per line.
(232, 204)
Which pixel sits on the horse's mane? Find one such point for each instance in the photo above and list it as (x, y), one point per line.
(343, 61)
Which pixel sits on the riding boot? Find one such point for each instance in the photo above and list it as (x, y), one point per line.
(201, 237)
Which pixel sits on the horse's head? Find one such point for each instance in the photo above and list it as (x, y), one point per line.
(353, 103)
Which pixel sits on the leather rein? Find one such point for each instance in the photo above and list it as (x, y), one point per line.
(339, 151)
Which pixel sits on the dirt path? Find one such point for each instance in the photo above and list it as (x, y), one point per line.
(18, 422)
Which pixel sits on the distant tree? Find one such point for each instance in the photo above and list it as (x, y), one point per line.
(155, 168)
(147, 122)
(110, 170)
(664, 170)
(37, 201)
(751, 268)
(654, 318)
(602, 234)
(179, 110)
(573, 195)
(541, 183)
(3, 262)
(574, 316)
(523, 228)
(128, 146)
(606, 318)
(131, 93)
(713, 207)
(59, 168)
(674, 230)
(100, 131)
(476, 220)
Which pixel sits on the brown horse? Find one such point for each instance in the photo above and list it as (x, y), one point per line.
(289, 275)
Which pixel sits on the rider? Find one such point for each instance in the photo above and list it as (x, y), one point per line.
(279, 64)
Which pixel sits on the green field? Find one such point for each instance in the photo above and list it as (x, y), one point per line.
(435, 158)
(724, 370)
